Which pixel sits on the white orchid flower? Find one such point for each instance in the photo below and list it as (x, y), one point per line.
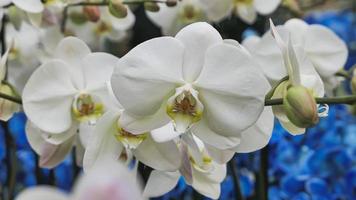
(110, 141)
(172, 19)
(22, 57)
(198, 169)
(195, 79)
(31, 6)
(301, 73)
(108, 27)
(68, 91)
(8, 108)
(246, 10)
(326, 51)
(107, 181)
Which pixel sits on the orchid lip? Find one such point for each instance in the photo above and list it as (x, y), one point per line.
(87, 108)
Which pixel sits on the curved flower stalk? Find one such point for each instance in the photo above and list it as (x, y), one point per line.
(304, 84)
(109, 180)
(326, 51)
(67, 92)
(198, 169)
(110, 141)
(246, 10)
(7, 108)
(107, 27)
(196, 80)
(173, 19)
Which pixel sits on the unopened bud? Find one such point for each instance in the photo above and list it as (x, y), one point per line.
(300, 107)
(171, 3)
(353, 84)
(117, 8)
(77, 18)
(92, 13)
(151, 6)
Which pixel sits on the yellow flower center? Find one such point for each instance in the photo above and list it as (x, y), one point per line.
(184, 108)
(129, 140)
(102, 28)
(190, 14)
(87, 108)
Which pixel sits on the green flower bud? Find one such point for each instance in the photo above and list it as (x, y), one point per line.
(300, 107)
(151, 6)
(77, 18)
(171, 3)
(117, 8)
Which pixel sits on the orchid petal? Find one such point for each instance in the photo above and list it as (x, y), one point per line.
(42, 193)
(197, 38)
(237, 79)
(159, 183)
(258, 135)
(328, 54)
(48, 97)
(51, 155)
(147, 75)
(32, 6)
(102, 143)
(247, 13)
(160, 156)
(165, 133)
(266, 7)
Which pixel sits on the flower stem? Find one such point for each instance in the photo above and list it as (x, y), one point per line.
(235, 178)
(263, 175)
(326, 100)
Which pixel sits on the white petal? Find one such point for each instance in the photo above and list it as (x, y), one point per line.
(108, 180)
(165, 133)
(247, 13)
(7, 108)
(148, 74)
(35, 19)
(122, 24)
(297, 29)
(325, 49)
(79, 153)
(138, 125)
(233, 93)
(72, 50)
(5, 2)
(47, 97)
(290, 62)
(217, 10)
(251, 42)
(51, 155)
(103, 144)
(258, 135)
(197, 38)
(42, 193)
(161, 156)
(269, 57)
(160, 183)
(207, 135)
(3, 60)
(266, 7)
(309, 77)
(218, 155)
(32, 6)
(166, 18)
(57, 139)
(97, 69)
(208, 184)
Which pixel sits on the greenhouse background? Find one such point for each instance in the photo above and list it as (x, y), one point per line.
(317, 165)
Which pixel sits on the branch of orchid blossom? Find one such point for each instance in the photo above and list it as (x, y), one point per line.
(103, 3)
(11, 162)
(235, 178)
(11, 98)
(344, 73)
(326, 100)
